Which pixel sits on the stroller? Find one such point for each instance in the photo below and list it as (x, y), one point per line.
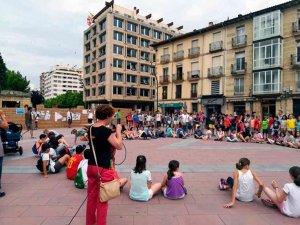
(11, 137)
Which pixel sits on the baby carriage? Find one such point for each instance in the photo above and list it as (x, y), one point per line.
(11, 137)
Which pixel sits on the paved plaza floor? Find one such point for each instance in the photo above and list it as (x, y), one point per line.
(31, 200)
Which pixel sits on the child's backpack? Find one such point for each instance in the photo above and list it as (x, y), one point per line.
(78, 180)
(39, 165)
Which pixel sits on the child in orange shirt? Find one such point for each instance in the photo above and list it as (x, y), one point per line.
(74, 162)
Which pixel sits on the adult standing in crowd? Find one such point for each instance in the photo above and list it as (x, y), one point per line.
(104, 141)
(90, 117)
(158, 119)
(118, 116)
(36, 119)
(28, 122)
(3, 127)
(69, 118)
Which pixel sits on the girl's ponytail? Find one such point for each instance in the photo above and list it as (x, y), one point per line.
(173, 166)
(242, 163)
(295, 173)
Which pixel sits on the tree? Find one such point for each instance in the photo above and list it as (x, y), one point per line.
(36, 98)
(15, 81)
(67, 100)
(3, 70)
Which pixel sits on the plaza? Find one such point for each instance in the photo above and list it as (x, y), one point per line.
(31, 199)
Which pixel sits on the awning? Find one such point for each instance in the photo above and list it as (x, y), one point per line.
(170, 105)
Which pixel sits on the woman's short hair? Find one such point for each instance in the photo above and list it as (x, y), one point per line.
(104, 111)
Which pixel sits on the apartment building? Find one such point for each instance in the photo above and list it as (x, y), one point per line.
(59, 80)
(250, 63)
(118, 58)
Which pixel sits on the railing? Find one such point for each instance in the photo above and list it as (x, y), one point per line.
(238, 69)
(194, 94)
(215, 71)
(239, 41)
(296, 27)
(216, 46)
(178, 77)
(164, 79)
(194, 52)
(295, 61)
(194, 75)
(266, 88)
(165, 59)
(178, 55)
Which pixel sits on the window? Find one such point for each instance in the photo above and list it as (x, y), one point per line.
(131, 78)
(194, 90)
(87, 70)
(144, 68)
(240, 61)
(117, 90)
(87, 81)
(88, 47)
(240, 35)
(267, 25)
(216, 61)
(145, 55)
(94, 42)
(131, 65)
(298, 81)
(145, 30)
(101, 90)
(215, 87)
(131, 26)
(102, 51)
(145, 43)
(144, 92)
(239, 86)
(93, 91)
(103, 24)
(194, 43)
(101, 77)
(217, 37)
(165, 71)
(165, 92)
(168, 36)
(94, 54)
(195, 69)
(118, 36)
(102, 38)
(156, 34)
(102, 64)
(131, 52)
(87, 93)
(94, 67)
(266, 82)
(118, 22)
(118, 77)
(178, 91)
(267, 54)
(87, 36)
(298, 53)
(145, 80)
(179, 47)
(118, 50)
(131, 39)
(131, 91)
(118, 63)
(87, 58)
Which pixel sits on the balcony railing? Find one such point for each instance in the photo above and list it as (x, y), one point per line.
(178, 77)
(178, 56)
(238, 69)
(194, 52)
(194, 75)
(239, 41)
(164, 79)
(259, 89)
(216, 46)
(295, 61)
(296, 28)
(194, 94)
(165, 59)
(215, 71)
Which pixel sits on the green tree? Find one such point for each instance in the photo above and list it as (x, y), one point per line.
(3, 70)
(15, 81)
(67, 100)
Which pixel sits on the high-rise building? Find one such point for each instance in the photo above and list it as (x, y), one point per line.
(118, 58)
(59, 80)
(250, 63)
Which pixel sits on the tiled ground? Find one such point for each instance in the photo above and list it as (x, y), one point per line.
(31, 199)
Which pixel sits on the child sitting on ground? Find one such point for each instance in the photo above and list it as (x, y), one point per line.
(80, 133)
(142, 133)
(36, 148)
(83, 165)
(198, 134)
(74, 161)
(287, 200)
(170, 132)
(181, 133)
(257, 137)
(220, 135)
(142, 188)
(173, 184)
(288, 139)
(232, 137)
(242, 183)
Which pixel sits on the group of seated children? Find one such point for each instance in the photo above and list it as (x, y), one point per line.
(243, 189)
(140, 133)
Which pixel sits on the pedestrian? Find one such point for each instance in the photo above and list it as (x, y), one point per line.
(3, 127)
(69, 118)
(118, 116)
(28, 122)
(90, 117)
(36, 117)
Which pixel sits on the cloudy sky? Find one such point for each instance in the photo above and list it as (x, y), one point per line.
(37, 34)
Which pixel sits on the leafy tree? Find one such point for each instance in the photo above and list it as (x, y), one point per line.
(36, 98)
(3, 70)
(15, 81)
(67, 100)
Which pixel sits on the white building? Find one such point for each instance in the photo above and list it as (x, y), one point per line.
(59, 80)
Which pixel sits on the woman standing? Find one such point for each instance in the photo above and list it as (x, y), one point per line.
(3, 126)
(104, 141)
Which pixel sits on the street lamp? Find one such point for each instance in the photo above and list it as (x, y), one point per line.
(153, 73)
(84, 90)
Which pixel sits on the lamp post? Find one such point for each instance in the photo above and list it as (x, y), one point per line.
(153, 73)
(84, 90)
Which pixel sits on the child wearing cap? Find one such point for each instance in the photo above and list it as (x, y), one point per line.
(74, 162)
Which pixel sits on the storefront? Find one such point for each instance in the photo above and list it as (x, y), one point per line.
(170, 107)
(212, 104)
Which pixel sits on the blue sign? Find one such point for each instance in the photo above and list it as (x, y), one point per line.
(20, 111)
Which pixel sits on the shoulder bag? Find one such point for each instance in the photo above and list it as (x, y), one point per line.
(108, 190)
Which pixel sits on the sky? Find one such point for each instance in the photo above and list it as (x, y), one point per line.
(38, 34)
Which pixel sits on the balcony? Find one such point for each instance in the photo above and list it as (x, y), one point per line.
(178, 56)
(238, 69)
(178, 77)
(193, 75)
(164, 79)
(296, 28)
(239, 41)
(295, 61)
(216, 46)
(194, 52)
(164, 59)
(194, 94)
(215, 72)
(266, 89)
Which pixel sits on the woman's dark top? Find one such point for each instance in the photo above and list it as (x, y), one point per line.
(102, 147)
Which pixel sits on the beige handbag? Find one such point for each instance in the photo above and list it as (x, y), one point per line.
(108, 190)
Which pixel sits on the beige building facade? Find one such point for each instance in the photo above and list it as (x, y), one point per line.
(119, 59)
(246, 64)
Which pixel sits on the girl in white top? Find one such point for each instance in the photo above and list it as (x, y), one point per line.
(287, 200)
(242, 184)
